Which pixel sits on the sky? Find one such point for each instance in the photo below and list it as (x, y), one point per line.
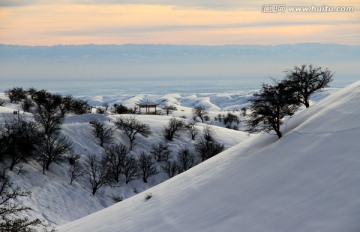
(200, 22)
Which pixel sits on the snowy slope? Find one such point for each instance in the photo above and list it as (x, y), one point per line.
(55, 201)
(307, 181)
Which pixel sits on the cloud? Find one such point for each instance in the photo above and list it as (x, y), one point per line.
(209, 4)
(118, 30)
(215, 4)
(11, 3)
(15, 3)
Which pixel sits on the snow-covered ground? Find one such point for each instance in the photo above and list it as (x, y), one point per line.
(56, 202)
(306, 181)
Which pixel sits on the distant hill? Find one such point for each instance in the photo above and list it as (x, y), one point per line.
(103, 62)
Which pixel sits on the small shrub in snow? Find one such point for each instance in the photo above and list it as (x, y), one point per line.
(100, 110)
(191, 127)
(73, 158)
(117, 198)
(206, 118)
(148, 196)
(231, 120)
(121, 109)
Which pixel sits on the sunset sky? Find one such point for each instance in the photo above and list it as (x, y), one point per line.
(203, 22)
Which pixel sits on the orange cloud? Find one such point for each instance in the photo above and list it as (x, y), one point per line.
(118, 24)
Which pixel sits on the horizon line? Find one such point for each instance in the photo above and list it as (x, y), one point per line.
(184, 45)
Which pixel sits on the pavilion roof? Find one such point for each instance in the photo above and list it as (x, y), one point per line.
(146, 103)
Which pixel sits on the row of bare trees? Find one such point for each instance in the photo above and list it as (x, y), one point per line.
(121, 163)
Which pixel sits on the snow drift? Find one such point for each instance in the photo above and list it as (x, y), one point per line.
(307, 181)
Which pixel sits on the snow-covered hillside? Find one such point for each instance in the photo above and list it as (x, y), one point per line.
(306, 181)
(57, 202)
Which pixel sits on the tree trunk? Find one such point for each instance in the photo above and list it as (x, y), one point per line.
(279, 134)
(48, 165)
(12, 165)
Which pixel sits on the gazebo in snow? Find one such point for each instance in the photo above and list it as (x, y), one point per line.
(147, 105)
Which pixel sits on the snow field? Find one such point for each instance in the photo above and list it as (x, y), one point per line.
(56, 202)
(305, 181)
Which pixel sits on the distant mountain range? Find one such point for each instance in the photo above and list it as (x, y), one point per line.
(179, 52)
(172, 62)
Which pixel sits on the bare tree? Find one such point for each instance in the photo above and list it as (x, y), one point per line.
(27, 105)
(191, 127)
(270, 106)
(132, 127)
(76, 171)
(169, 108)
(79, 106)
(173, 126)
(9, 209)
(131, 168)
(19, 141)
(208, 133)
(147, 167)
(171, 168)
(102, 132)
(66, 104)
(185, 159)
(96, 172)
(53, 149)
(199, 111)
(160, 152)
(231, 121)
(207, 146)
(48, 114)
(16, 94)
(306, 80)
(114, 160)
